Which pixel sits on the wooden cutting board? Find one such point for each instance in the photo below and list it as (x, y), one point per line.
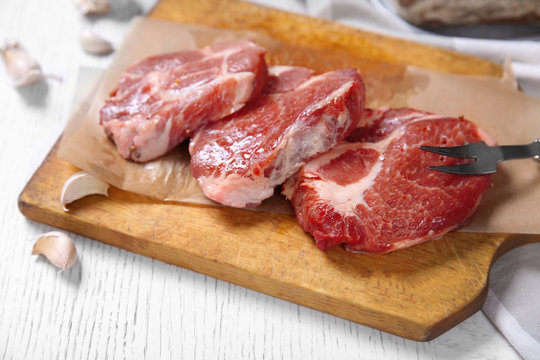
(417, 293)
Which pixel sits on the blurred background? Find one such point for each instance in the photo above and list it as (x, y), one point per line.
(498, 30)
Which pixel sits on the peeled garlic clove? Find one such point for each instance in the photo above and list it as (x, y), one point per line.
(95, 44)
(22, 68)
(94, 7)
(80, 185)
(58, 248)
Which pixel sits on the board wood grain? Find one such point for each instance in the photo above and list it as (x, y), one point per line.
(416, 293)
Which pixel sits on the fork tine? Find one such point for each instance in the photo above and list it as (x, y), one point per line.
(473, 168)
(464, 151)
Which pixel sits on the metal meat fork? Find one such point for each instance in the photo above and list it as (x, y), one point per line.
(486, 157)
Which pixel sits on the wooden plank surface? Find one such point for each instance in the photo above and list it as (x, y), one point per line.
(417, 293)
(369, 51)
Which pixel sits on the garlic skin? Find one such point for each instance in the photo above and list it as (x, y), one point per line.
(20, 66)
(58, 248)
(79, 185)
(94, 7)
(94, 43)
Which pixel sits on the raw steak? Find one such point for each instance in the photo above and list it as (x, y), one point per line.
(160, 100)
(374, 194)
(239, 161)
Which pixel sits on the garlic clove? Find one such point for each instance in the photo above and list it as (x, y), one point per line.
(58, 248)
(94, 7)
(80, 185)
(21, 67)
(94, 43)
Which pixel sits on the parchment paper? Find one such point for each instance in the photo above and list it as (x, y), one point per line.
(510, 116)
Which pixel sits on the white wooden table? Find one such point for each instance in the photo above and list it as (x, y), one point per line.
(116, 304)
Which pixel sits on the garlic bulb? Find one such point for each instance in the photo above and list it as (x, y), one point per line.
(80, 185)
(94, 7)
(22, 68)
(58, 248)
(95, 44)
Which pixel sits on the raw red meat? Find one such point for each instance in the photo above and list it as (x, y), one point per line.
(160, 100)
(374, 194)
(239, 160)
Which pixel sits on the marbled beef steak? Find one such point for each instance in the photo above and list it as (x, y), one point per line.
(238, 161)
(161, 100)
(374, 194)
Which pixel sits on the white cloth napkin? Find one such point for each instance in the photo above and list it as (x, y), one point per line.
(513, 302)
